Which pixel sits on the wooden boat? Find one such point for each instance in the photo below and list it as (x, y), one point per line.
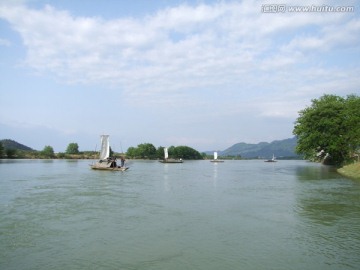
(216, 158)
(105, 162)
(169, 160)
(271, 160)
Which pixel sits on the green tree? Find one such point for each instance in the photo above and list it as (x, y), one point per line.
(186, 152)
(172, 152)
(48, 152)
(146, 150)
(131, 152)
(352, 120)
(329, 128)
(1, 150)
(10, 152)
(61, 155)
(160, 152)
(73, 148)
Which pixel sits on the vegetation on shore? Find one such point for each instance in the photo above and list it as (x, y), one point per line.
(12, 149)
(351, 170)
(149, 151)
(329, 130)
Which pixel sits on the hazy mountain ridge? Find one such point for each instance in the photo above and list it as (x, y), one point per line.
(280, 148)
(11, 144)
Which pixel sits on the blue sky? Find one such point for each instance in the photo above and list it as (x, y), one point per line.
(207, 74)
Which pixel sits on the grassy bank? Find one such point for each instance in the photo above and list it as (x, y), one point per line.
(352, 170)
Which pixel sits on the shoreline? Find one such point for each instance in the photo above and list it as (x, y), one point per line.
(351, 171)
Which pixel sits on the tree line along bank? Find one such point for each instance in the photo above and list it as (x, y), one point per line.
(142, 151)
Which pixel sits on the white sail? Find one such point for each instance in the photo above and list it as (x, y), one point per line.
(105, 147)
(166, 154)
(215, 155)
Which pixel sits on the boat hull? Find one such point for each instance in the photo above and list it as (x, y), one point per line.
(171, 161)
(107, 166)
(94, 167)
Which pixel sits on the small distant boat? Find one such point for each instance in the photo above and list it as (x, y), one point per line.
(169, 160)
(271, 160)
(216, 158)
(106, 162)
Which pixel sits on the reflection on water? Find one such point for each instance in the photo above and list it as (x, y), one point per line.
(329, 210)
(215, 176)
(195, 215)
(166, 176)
(325, 196)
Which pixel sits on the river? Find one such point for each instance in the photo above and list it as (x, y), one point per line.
(59, 214)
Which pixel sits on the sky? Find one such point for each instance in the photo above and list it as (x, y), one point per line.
(205, 74)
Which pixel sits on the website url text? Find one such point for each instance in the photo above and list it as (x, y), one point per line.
(276, 8)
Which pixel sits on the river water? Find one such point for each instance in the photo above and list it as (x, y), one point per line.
(59, 214)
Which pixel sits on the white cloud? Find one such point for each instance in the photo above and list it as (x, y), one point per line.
(5, 42)
(181, 56)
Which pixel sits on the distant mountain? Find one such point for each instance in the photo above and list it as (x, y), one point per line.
(10, 144)
(281, 148)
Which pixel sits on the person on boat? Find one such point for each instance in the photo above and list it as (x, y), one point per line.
(114, 162)
(122, 163)
(111, 162)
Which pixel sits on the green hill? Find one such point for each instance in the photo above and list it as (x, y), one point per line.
(10, 144)
(280, 148)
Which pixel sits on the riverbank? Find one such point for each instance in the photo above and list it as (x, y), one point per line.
(352, 171)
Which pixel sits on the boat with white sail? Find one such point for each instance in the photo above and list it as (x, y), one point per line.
(169, 160)
(271, 160)
(106, 162)
(216, 158)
